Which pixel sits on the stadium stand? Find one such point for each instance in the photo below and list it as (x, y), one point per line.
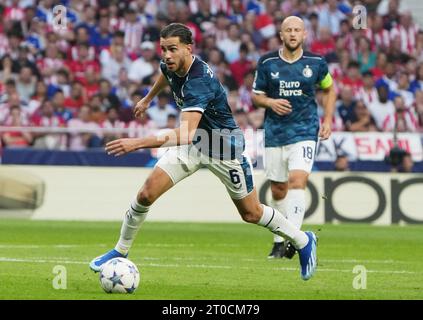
(84, 77)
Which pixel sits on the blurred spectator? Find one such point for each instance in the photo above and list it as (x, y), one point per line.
(378, 36)
(172, 121)
(46, 118)
(76, 99)
(353, 77)
(341, 163)
(160, 112)
(230, 46)
(406, 32)
(330, 16)
(107, 97)
(59, 106)
(244, 93)
(50, 62)
(324, 44)
(6, 68)
(116, 62)
(368, 92)
(241, 66)
(143, 66)
(366, 58)
(25, 84)
(417, 83)
(419, 108)
(402, 88)
(403, 120)
(362, 120)
(407, 163)
(101, 36)
(345, 106)
(381, 108)
(87, 133)
(38, 97)
(83, 62)
(142, 127)
(132, 29)
(60, 81)
(15, 139)
(112, 122)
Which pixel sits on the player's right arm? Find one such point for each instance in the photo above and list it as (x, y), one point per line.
(260, 90)
(279, 106)
(144, 103)
(175, 137)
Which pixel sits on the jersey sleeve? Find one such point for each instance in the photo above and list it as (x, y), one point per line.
(324, 79)
(197, 94)
(260, 79)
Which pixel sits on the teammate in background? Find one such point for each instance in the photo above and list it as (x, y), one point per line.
(285, 84)
(206, 118)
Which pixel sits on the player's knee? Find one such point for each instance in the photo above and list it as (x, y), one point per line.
(145, 197)
(252, 215)
(297, 182)
(279, 190)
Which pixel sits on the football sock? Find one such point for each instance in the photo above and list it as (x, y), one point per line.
(134, 217)
(275, 221)
(296, 206)
(279, 205)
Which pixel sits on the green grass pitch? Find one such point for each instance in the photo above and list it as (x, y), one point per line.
(210, 261)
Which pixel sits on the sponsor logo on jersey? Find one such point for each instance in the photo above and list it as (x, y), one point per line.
(274, 75)
(289, 88)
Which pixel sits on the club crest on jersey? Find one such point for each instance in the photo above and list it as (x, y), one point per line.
(275, 75)
(307, 72)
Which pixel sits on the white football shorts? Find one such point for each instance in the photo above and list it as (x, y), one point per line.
(182, 161)
(279, 161)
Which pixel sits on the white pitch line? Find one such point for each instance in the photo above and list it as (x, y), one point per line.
(200, 266)
(102, 245)
(36, 246)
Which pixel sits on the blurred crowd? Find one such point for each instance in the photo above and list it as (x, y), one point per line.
(87, 71)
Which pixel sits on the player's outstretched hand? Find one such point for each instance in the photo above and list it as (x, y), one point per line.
(280, 106)
(325, 131)
(141, 107)
(121, 146)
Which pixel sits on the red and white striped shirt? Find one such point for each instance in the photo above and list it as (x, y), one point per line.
(407, 36)
(408, 123)
(133, 34)
(378, 39)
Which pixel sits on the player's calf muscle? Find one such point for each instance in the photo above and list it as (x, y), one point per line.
(249, 208)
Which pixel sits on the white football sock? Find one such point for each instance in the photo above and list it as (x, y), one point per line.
(279, 205)
(134, 217)
(296, 206)
(275, 221)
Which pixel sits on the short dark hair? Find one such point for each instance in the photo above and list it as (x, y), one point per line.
(177, 30)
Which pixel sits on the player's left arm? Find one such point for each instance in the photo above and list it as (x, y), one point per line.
(175, 137)
(329, 99)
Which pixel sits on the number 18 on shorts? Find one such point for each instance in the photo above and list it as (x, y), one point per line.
(280, 160)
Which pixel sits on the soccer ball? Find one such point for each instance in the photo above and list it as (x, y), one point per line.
(119, 275)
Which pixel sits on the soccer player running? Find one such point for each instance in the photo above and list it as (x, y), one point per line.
(285, 84)
(207, 137)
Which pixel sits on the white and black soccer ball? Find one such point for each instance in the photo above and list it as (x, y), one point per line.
(119, 275)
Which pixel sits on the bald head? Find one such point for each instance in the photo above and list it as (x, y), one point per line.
(292, 33)
(292, 21)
